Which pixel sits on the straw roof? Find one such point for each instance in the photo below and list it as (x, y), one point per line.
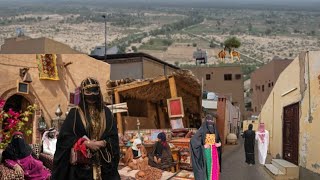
(157, 89)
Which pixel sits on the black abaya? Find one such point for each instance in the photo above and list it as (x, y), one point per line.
(62, 169)
(197, 150)
(249, 142)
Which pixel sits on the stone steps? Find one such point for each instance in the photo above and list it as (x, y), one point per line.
(280, 169)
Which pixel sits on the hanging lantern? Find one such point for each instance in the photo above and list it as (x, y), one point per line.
(42, 123)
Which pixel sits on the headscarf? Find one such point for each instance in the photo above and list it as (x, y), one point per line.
(134, 146)
(262, 131)
(17, 148)
(209, 124)
(163, 138)
(250, 126)
(45, 137)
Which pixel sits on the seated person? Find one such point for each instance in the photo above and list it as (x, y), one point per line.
(136, 156)
(49, 141)
(17, 156)
(161, 156)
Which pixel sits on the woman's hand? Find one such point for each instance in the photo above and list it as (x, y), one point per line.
(18, 169)
(218, 144)
(206, 146)
(93, 145)
(101, 143)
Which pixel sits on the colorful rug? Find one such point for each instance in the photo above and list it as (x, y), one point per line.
(47, 66)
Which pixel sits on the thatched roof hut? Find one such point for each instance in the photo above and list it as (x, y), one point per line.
(157, 90)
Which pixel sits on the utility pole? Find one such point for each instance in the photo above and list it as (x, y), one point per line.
(105, 37)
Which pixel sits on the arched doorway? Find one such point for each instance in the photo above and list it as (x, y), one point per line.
(19, 103)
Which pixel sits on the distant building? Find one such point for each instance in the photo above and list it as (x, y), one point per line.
(263, 80)
(99, 51)
(137, 66)
(27, 45)
(225, 81)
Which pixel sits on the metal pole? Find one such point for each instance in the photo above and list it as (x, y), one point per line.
(105, 36)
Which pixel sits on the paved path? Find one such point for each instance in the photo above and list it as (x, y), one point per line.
(235, 168)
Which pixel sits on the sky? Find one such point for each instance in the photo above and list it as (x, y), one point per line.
(282, 3)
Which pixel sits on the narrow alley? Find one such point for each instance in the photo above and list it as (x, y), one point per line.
(235, 168)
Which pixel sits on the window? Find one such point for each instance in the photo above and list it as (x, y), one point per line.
(272, 84)
(23, 88)
(228, 77)
(262, 88)
(269, 84)
(257, 87)
(255, 109)
(238, 76)
(208, 76)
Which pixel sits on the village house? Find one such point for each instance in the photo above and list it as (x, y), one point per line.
(21, 85)
(291, 114)
(225, 81)
(136, 66)
(263, 80)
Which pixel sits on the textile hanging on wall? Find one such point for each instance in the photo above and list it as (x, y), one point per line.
(176, 123)
(47, 66)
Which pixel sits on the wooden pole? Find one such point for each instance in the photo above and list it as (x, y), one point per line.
(173, 87)
(119, 118)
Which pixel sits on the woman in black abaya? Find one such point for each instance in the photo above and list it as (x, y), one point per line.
(206, 167)
(90, 124)
(249, 141)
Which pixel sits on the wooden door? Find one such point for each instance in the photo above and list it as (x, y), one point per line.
(291, 133)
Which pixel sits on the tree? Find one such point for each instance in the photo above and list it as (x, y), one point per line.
(134, 49)
(250, 27)
(268, 32)
(194, 44)
(232, 42)
(212, 44)
(176, 63)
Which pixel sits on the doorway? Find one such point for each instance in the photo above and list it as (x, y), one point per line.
(19, 103)
(291, 133)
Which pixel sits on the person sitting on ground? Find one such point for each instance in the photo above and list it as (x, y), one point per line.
(17, 156)
(161, 156)
(49, 141)
(136, 156)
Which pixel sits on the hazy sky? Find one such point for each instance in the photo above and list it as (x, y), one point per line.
(229, 3)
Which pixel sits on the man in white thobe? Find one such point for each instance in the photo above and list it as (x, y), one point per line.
(49, 141)
(262, 136)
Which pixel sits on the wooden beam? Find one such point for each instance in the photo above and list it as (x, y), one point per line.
(173, 87)
(140, 84)
(119, 118)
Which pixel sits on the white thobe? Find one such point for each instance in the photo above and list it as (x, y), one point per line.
(49, 148)
(262, 146)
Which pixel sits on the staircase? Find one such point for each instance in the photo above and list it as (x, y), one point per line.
(280, 169)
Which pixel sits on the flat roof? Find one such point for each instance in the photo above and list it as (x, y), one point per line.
(131, 55)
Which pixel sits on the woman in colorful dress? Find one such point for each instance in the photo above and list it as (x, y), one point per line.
(206, 151)
(17, 156)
